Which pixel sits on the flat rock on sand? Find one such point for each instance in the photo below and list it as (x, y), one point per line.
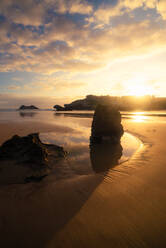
(25, 159)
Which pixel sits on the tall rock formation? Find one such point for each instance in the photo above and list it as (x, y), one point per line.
(106, 125)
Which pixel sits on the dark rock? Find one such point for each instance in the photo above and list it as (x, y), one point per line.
(23, 107)
(29, 149)
(59, 108)
(27, 159)
(106, 132)
(68, 107)
(82, 104)
(106, 125)
(88, 103)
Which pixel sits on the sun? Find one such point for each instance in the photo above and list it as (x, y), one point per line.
(138, 90)
(139, 86)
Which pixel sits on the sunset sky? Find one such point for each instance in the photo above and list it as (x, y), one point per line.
(55, 51)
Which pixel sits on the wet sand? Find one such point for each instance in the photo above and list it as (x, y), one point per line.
(124, 207)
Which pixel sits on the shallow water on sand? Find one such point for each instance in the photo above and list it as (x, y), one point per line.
(81, 154)
(82, 158)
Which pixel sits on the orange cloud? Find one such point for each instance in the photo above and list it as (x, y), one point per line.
(161, 7)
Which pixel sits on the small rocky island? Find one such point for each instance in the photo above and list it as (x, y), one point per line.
(60, 108)
(24, 107)
(25, 159)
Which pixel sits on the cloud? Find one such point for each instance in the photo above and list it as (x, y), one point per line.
(79, 48)
(46, 84)
(70, 6)
(55, 41)
(105, 13)
(133, 4)
(81, 7)
(23, 12)
(151, 3)
(161, 7)
(34, 12)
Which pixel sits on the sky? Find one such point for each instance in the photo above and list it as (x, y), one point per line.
(56, 51)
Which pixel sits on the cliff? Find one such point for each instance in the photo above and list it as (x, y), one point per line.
(123, 103)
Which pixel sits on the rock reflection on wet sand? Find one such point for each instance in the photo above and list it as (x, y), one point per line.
(105, 156)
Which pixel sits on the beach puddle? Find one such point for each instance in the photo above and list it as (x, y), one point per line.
(86, 159)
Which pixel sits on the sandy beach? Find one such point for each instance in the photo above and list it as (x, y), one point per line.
(124, 207)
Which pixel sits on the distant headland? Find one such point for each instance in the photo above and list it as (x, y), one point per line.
(123, 103)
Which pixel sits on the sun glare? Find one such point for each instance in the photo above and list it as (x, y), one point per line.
(138, 90)
(139, 86)
(139, 117)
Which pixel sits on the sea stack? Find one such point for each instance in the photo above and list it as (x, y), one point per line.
(106, 125)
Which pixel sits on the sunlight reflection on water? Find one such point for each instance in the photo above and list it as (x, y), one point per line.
(139, 118)
(136, 116)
